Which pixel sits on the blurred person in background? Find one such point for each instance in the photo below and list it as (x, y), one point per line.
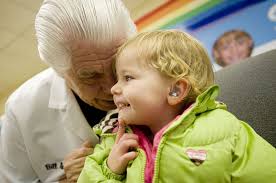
(232, 47)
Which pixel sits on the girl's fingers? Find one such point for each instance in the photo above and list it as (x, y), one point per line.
(121, 131)
(126, 145)
(129, 156)
(127, 136)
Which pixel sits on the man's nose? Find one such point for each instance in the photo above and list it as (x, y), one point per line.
(107, 82)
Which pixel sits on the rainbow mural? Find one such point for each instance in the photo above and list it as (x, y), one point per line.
(194, 13)
(207, 19)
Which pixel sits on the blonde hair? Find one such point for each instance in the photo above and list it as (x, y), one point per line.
(59, 22)
(176, 55)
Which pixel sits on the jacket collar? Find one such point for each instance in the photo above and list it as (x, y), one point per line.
(204, 102)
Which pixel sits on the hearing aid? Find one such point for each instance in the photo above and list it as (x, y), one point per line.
(174, 92)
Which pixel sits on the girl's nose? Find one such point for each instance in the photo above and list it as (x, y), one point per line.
(115, 89)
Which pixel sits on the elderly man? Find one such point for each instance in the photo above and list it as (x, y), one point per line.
(49, 118)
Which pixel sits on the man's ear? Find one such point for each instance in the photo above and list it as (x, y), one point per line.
(178, 92)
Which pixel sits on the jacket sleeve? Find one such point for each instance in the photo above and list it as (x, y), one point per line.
(15, 165)
(95, 167)
(254, 159)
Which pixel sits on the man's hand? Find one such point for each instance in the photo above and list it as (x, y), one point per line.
(120, 154)
(74, 162)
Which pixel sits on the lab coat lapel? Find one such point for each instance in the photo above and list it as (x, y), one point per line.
(63, 99)
(75, 121)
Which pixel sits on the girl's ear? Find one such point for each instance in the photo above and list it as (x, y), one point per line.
(178, 91)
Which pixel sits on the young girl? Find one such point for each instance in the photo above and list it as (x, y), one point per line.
(175, 130)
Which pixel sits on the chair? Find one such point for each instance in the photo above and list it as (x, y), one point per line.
(249, 91)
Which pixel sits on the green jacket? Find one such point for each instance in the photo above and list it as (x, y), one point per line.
(205, 144)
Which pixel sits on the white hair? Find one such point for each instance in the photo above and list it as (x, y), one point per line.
(60, 21)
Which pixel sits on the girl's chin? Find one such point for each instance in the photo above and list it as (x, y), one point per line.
(123, 118)
(126, 121)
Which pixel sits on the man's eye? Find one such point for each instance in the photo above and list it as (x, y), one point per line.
(87, 75)
(128, 78)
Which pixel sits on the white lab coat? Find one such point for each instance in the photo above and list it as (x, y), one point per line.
(42, 123)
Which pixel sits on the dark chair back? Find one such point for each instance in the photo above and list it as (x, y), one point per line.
(249, 91)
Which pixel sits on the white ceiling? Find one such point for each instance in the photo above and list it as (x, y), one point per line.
(18, 52)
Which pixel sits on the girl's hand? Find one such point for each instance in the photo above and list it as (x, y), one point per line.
(120, 154)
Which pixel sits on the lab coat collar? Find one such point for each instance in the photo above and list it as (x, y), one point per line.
(62, 98)
(75, 121)
(58, 93)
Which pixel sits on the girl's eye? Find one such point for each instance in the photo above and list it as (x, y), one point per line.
(128, 78)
